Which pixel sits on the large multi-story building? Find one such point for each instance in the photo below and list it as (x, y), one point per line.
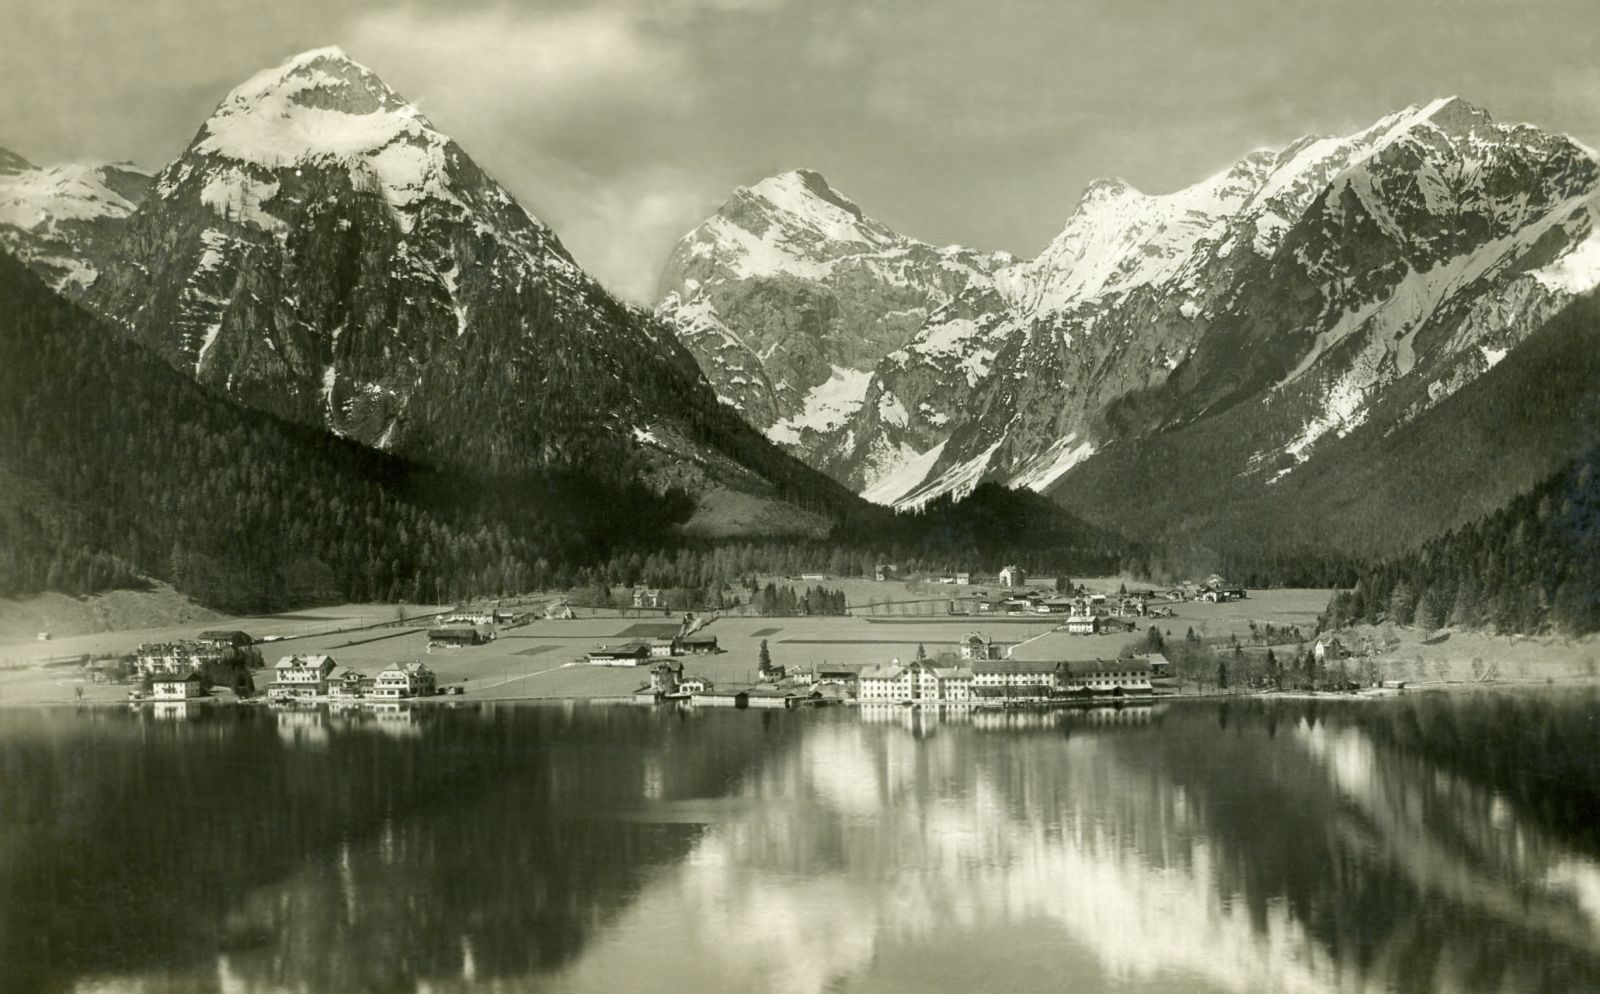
(405, 680)
(301, 676)
(918, 680)
(175, 658)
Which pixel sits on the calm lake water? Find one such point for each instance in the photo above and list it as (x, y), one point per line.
(1428, 843)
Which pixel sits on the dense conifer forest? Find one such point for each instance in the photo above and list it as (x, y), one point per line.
(1533, 566)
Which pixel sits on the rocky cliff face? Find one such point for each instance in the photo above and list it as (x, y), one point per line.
(63, 221)
(321, 251)
(1337, 282)
(789, 297)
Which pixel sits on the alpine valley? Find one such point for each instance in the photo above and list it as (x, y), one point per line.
(1257, 356)
(323, 321)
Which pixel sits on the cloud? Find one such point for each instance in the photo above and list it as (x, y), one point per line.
(547, 64)
(567, 107)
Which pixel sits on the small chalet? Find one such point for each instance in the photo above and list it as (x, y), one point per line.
(662, 648)
(175, 687)
(1014, 577)
(771, 673)
(647, 597)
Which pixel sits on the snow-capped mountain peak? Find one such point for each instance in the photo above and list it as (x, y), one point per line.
(1319, 280)
(318, 109)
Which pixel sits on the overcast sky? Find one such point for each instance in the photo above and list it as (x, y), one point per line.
(624, 122)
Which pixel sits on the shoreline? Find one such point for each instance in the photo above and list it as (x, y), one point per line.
(1368, 695)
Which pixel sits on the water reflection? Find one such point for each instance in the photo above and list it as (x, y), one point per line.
(1174, 847)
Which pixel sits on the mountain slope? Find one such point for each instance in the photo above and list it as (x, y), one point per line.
(1379, 487)
(321, 252)
(1256, 318)
(789, 296)
(64, 220)
(114, 463)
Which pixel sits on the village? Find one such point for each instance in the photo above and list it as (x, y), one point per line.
(996, 641)
(946, 656)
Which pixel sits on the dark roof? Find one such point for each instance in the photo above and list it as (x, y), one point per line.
(621, 649)
(1013, 666)
(699, 637)
(239, 637)
(189, 677)
(1116, 666)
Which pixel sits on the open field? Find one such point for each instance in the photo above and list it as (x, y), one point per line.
(540, 660)
(536, 660)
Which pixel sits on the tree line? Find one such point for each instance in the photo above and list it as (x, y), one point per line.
(1531, 567)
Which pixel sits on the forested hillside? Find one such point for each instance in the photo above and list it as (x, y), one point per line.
(1533, 566)
(135, 467)
(113, 465)
(1377, 491)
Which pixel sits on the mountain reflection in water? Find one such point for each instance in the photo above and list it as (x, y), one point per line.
(1216, 847)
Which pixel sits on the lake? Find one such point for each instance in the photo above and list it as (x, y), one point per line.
(1426, 843)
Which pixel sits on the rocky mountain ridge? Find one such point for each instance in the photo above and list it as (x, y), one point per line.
(322, 252)
(1332, 283)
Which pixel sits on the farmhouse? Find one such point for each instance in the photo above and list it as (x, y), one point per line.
(885, 571)
(405, 680)
(647, 597)
(620, 654)
(223, 641)
(1014, 577)
(697, 643)
(454, 637)
(662, 648)
(176, 687)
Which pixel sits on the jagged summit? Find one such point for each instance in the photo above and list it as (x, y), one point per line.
(789, 190)
(317, 105)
